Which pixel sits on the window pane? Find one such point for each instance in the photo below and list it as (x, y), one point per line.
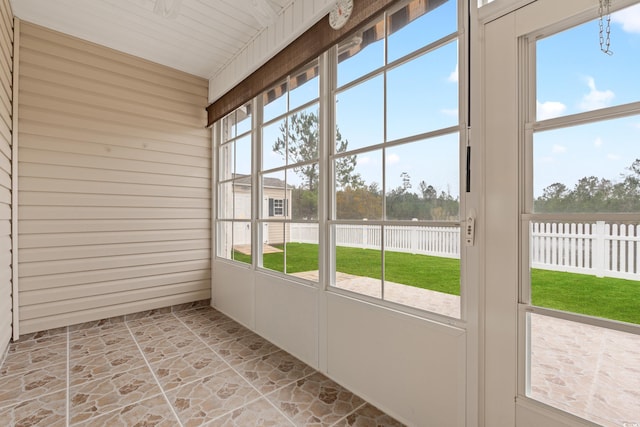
(301, 254)
(274, 144)
(229, 127)
(422, 267)
(361, 54)
(360, 115)
(273, 248)
(362, 200)
(422, 95)
(273, 188)
(422, 180)
(302, 188)
(587, 267)
(274, 102)
(241, 199)
(225, 200)
(243, 156)
(242, 242)
(574, 76)
(585, 370)
(589, 168)
(224, 239)
(304, 86)
(243, 116)
(302, 136)
(226, 157)
(416, 25)
(359, 259)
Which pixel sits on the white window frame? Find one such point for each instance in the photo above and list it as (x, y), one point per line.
(529, 126)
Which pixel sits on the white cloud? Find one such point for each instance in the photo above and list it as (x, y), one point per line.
(598, 142)
(612, 156)
(557, 149)
(453, 77)
(629, 19)
(393, 159)
(549, 109)
(595, 98)
(450, 112)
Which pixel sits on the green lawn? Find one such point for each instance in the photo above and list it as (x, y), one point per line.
(603, 297)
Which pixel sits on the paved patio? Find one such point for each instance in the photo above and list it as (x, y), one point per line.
(591, 372)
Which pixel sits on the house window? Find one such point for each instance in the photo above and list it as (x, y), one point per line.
(277, 207)
(580, 226)
(395, 160)
(234, 184)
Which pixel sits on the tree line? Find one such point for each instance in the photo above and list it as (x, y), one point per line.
(593, 194)
(354, 198)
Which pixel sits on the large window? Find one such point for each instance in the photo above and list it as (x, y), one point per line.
(395, 162)
(580, 223)
(377, 177)
(289, 175)
(234, 186)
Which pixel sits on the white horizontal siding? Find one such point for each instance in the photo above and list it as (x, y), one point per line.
(6, 125)
(114, 172)
(295, 19)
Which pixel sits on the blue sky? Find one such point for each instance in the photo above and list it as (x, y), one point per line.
(574, 76)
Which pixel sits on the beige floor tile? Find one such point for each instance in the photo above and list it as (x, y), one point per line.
(188, 367)
(165, 348)
(36, 358)
(259, 413)
(368, 416)
(100, 343)
(275, 370)
(209, 313)
(97, 397)
(215, 333)
(98, 327)
(104, 364)
(38, 340)
(243, 349)
(153, 412)
(153, 331)
(45, 411)
(211, 397)
(150, 316)
(315, 399)
(32, 384)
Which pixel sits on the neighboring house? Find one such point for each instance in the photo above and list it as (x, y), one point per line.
(276, 205)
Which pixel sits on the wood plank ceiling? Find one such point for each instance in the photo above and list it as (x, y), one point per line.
(199, 37)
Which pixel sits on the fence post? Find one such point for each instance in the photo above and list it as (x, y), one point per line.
(365, 240)
(599, 243)
(413, 238)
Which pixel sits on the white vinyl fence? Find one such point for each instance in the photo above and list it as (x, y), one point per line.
(437, 241)
(599, 249)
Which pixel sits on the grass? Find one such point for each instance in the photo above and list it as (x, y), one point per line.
(616, 299)
(609, 298)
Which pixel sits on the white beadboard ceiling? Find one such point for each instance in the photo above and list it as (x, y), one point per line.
(200, 37)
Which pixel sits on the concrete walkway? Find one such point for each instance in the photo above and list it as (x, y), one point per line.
(591, 372)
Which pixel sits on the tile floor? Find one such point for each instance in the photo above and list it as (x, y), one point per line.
(190, 366)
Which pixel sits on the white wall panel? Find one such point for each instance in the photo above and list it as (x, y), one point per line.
(114, 168)
(233, 292)
(270, 41)
(6, 126)
(411, 368)
(287, 315)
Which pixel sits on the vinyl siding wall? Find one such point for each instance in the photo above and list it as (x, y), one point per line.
(6, 117)
(114, 183)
